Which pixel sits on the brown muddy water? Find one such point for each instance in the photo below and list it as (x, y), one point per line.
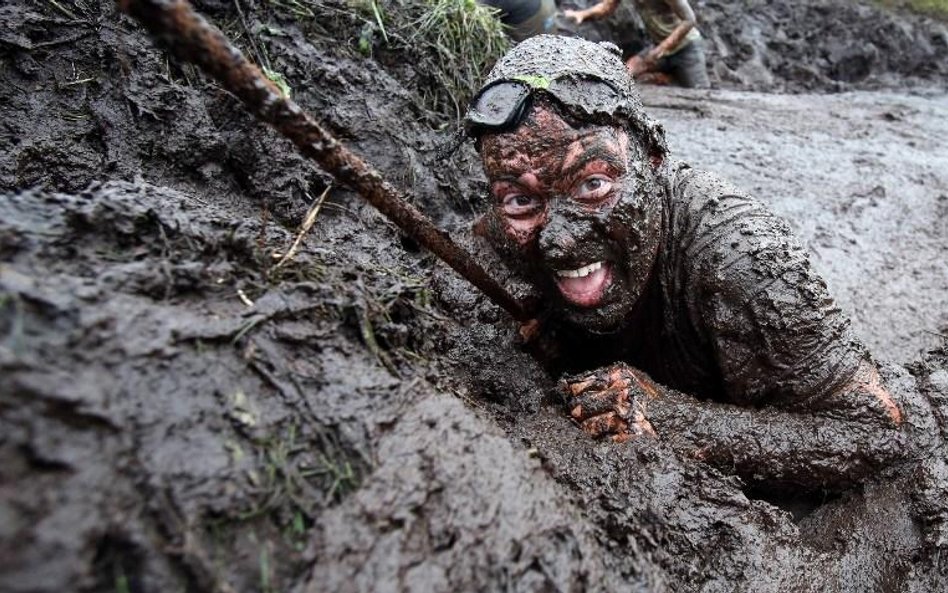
(176, 413)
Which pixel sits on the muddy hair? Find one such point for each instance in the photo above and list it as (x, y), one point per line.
(549, 57)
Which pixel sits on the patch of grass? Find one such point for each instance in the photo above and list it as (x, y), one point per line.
(121, 581)
(297, 475)
(311, 269)
(933, 8)
(295, 7)
(279, 80)
(257, 47)
(367, 331)
(464, 39)
(72, 9)
(440, 49)
(265, 577)
(343, 477)
(392, 300)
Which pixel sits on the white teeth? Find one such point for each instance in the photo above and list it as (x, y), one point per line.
(581, 272)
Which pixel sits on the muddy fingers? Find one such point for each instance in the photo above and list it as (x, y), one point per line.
(611, 401)
(594, 403)
(605, 424)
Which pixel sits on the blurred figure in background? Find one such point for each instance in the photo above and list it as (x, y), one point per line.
(525, 18)
(677, 54)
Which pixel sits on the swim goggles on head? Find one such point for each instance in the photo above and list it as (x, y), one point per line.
(501, 105)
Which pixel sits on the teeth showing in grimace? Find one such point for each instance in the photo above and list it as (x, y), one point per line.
(580, 272)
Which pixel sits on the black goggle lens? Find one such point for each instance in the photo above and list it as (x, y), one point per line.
(501, 106)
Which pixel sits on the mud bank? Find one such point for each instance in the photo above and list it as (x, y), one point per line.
(162, 433)
(176, 413)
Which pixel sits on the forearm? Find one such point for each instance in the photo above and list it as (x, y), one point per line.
(825, 442)
(774, 448)
(598, 11)
(688, 21)
(674, 38)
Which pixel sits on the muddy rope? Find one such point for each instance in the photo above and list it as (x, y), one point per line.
(193, 39)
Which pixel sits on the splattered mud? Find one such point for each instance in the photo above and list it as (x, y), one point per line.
(176, 413)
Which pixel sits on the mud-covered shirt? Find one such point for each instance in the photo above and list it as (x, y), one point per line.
(742, 308)
(733, 311)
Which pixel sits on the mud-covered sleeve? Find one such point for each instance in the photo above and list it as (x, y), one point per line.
(775, 332)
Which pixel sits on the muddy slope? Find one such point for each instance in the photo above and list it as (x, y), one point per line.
(160, 432)
(176, 413)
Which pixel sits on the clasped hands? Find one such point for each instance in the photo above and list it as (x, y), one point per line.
(611, 402)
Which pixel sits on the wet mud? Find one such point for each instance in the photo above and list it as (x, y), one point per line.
(178, 413)
(859, 178)
(803, 46)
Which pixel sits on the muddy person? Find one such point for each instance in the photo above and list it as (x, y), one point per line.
(677, 53)
(716, 334)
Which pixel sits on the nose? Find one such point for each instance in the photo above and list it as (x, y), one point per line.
(560, 235)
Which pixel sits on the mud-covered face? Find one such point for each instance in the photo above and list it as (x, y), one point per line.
(577, 212)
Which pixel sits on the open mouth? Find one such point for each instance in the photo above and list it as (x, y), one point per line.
(585, 286)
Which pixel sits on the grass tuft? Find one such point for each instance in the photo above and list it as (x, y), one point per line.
(440, 49)
(933, 8)
(279, 80)
(462, 39)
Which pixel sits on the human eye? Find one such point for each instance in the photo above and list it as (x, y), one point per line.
(518, 205)
(594, 188)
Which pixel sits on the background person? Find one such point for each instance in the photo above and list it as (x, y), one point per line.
(671, 24)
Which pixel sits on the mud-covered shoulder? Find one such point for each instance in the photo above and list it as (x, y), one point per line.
(749, 291)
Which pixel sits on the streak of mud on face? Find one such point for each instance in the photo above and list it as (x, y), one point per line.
(157, 433)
